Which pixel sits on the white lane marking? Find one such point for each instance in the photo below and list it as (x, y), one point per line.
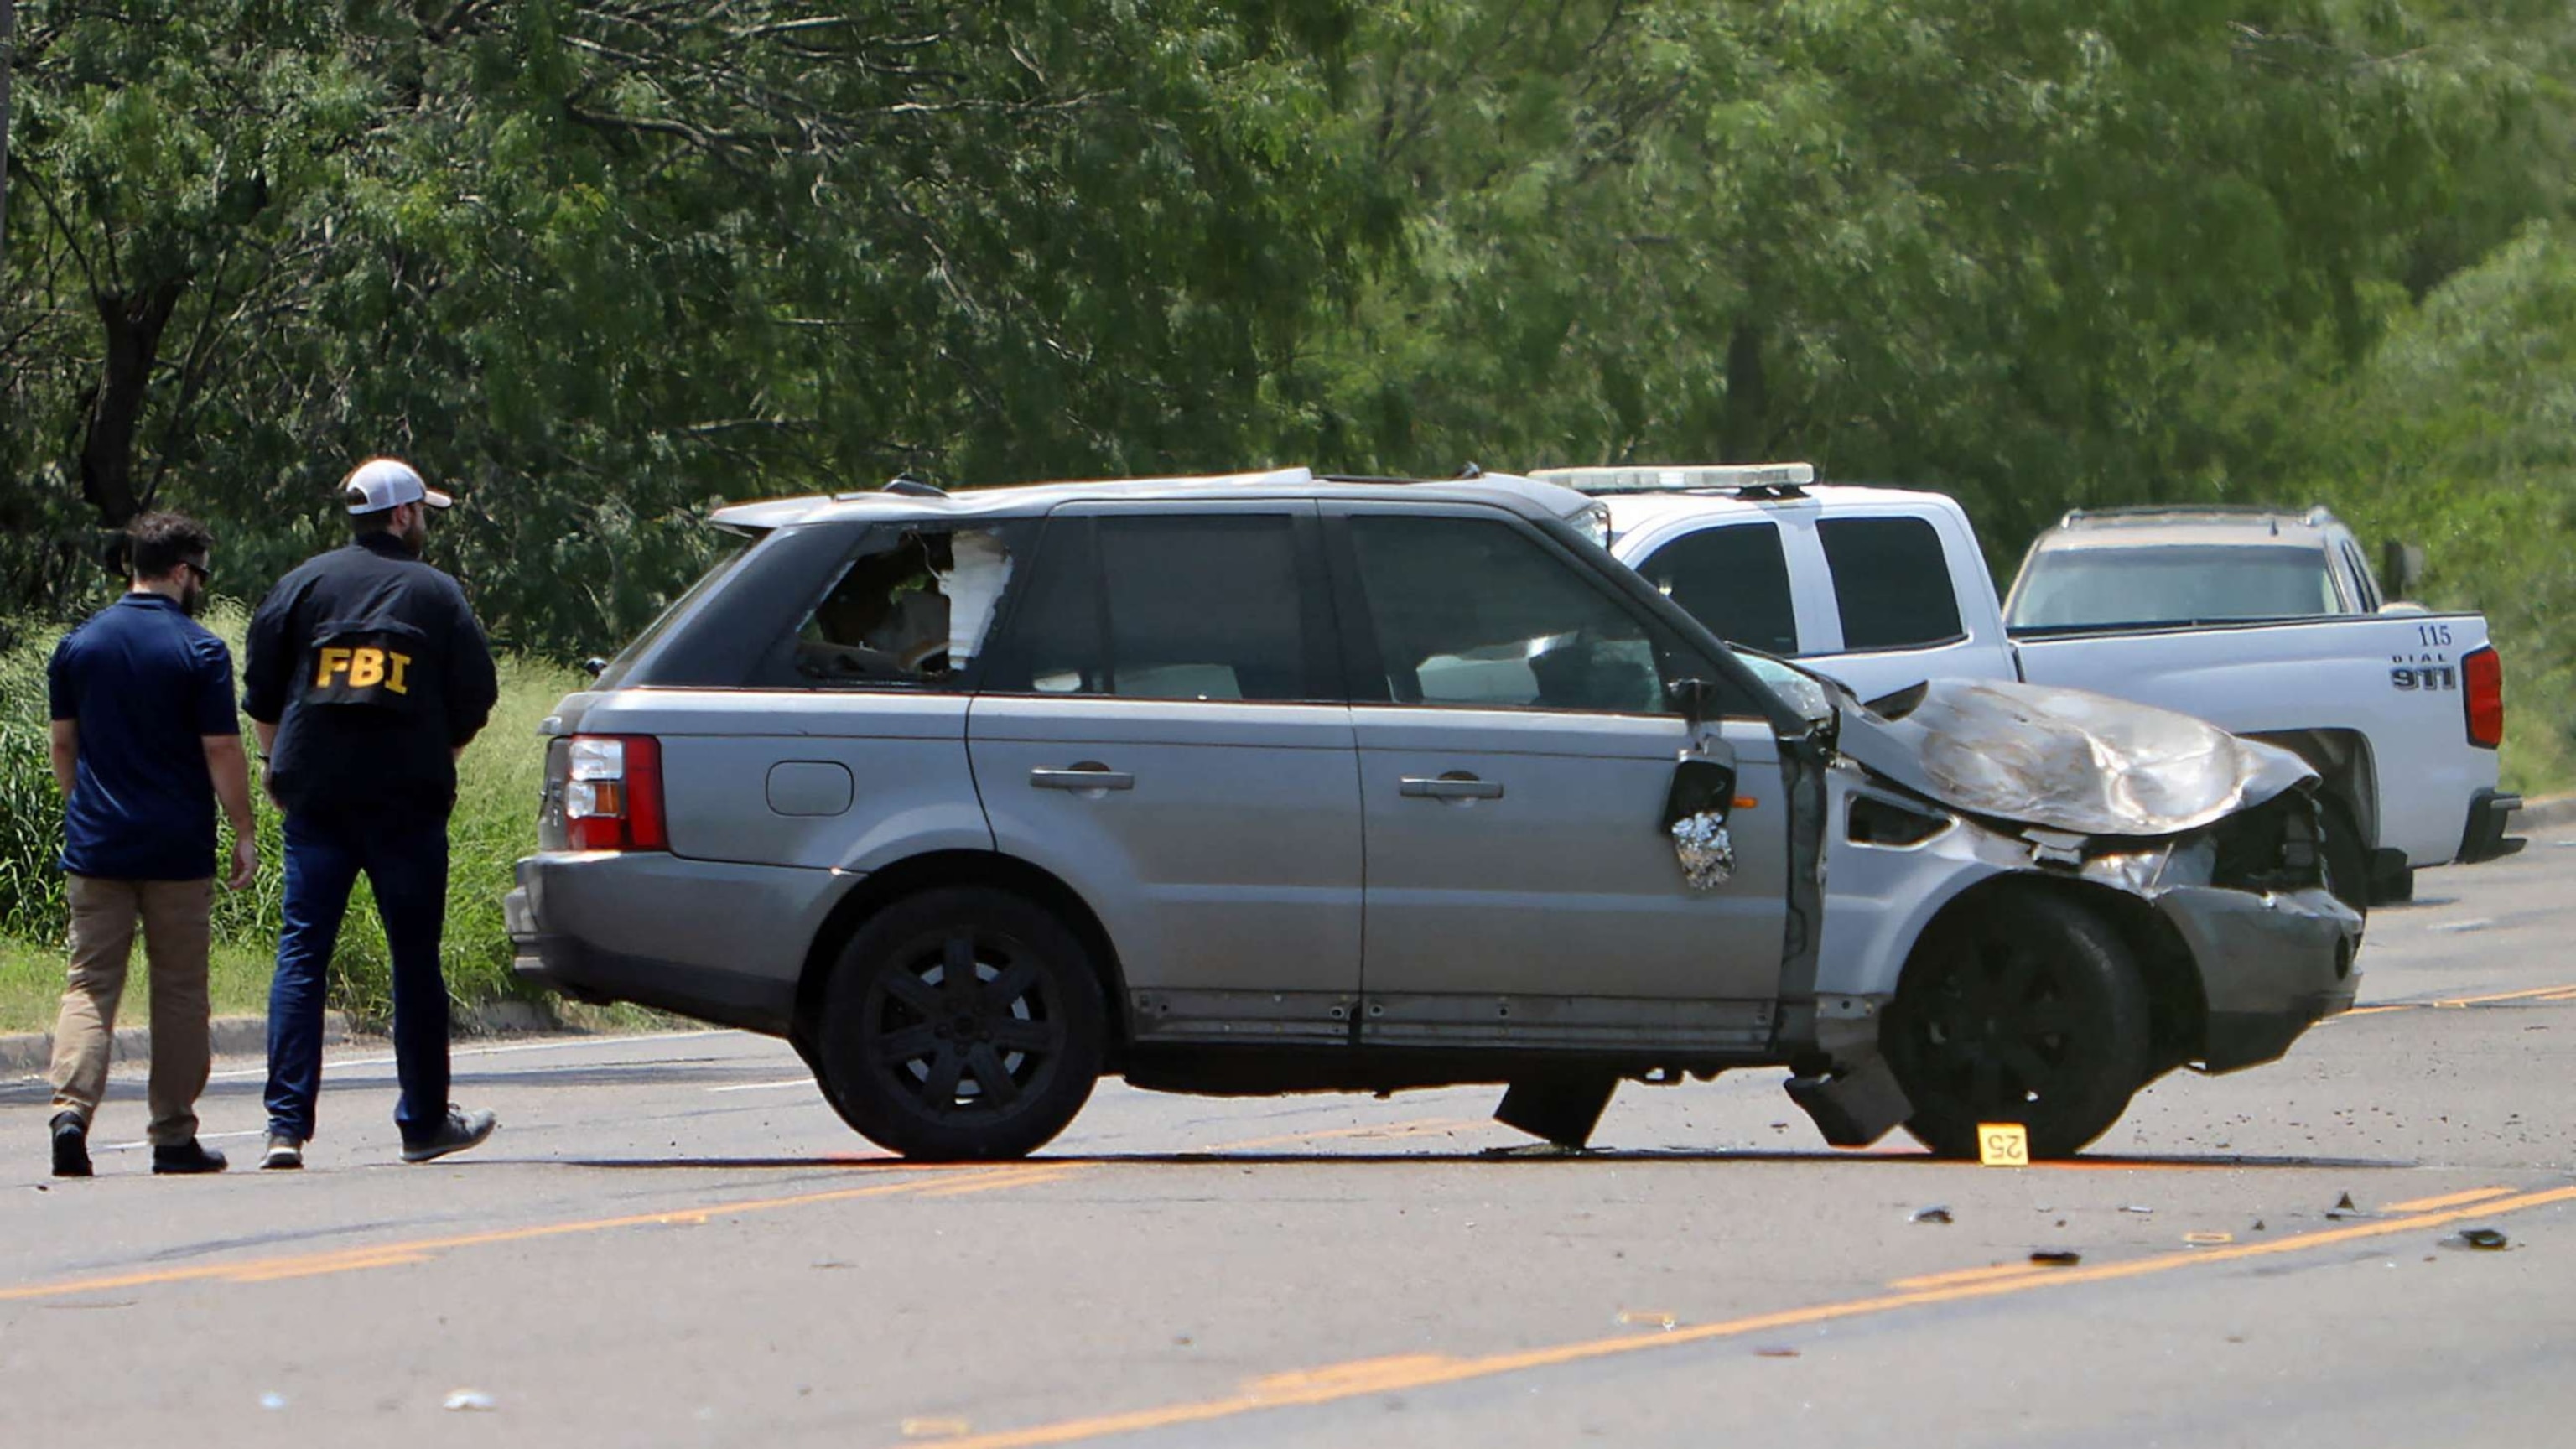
(549, 1045)
(764, 1086)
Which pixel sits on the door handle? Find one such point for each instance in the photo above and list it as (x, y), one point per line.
(1089, 775)
(1454, 786)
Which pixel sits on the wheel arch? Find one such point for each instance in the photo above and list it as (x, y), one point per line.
(2347, 772)
(878, 889)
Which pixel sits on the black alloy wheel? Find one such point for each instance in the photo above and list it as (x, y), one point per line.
(963, 1023)
(2022, 1008)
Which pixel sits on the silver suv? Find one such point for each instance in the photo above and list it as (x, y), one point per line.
(1281, 783)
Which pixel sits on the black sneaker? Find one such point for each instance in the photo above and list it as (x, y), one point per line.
(188, 1157)
(461, 1130)
(71, 1145)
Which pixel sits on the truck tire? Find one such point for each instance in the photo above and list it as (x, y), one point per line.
(2024, 1007)
(961, 1024)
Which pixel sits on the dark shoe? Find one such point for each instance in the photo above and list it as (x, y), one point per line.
(71, 1145)
(285, 1153)
(461, 1130)
(188, 1157)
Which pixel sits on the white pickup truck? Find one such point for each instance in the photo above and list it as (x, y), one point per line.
(2401, 713)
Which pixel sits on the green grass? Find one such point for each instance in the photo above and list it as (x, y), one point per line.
(31, 983)
(494, 824)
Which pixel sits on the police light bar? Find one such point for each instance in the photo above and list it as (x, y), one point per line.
(1751, 480)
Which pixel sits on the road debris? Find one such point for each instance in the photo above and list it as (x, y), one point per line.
(2487, 1239)
(2345, 1208)
(272, 1400)
(1647, 1318)
(2137, 1208)
(2056, 1257)
(469, 1401)
(2208, 1240)
(1932, 1215)
(934, 1428)
(1775, 1353)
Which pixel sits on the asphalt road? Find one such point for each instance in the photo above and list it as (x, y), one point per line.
(673, 1241)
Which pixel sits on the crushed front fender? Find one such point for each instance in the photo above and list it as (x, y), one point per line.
(2272, 964)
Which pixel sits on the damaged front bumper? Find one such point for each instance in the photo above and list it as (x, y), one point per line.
(2271, 965)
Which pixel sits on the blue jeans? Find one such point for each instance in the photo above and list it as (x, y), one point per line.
(405, 858)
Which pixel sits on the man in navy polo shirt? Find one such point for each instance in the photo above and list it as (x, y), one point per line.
(144, 743)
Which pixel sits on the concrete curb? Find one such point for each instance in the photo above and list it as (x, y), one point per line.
(2544, 814)
(233, 1036)
(32, 1052)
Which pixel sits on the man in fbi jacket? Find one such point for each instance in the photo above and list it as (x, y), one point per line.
(366, 677)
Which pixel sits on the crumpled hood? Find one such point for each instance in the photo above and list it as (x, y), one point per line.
(2066, 759)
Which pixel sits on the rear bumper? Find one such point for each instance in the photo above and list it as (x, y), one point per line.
(724, 943)
(2271, 966)
(2490, 813)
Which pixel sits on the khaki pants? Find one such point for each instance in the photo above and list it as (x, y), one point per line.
(174, 915)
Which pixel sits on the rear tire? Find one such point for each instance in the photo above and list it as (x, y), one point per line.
(2347, 856)
(2024, 1008)
(961, 1024)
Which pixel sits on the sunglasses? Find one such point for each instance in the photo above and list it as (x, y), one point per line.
(204, 575)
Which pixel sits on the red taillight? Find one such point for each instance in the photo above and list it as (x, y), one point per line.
(2482, 671)
(613, 799)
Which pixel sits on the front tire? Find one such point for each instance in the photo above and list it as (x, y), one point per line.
(2024, 1008)
(961, 1024)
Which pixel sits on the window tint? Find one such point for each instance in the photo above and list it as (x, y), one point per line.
(1891, 583)
(912, 611)
(1471, 612)
(2087, 587)
(1206, 607)
(1733, 579)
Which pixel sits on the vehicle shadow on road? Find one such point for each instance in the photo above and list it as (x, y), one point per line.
(1678, 1157)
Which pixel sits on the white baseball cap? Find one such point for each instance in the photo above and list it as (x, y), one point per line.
(382, 483)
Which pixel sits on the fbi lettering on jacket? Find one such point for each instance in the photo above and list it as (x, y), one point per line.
(359, 673)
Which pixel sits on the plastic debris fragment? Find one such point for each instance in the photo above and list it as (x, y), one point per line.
(469, 1401)
(2208, 1240)
(1775, 1353)
(2489, 1239)
(1933, 1215)
(934, 1428)
(272, 1400)
(1647, 1318)
(2056, 1257)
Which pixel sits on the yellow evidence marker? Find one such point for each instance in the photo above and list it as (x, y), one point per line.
(2003, 1144)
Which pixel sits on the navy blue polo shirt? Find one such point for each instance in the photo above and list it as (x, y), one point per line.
(146, 684)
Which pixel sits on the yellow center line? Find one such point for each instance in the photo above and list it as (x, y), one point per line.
(341, 1259)
(921, 1180)
(1970, 1275)
(1334, 1383)
(2452, 1003)
(2503, 996)
(2452, 1199)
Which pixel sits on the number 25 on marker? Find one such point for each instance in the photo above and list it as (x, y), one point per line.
(2003, 1144)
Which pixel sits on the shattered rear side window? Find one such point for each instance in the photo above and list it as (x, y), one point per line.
(915, 612)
